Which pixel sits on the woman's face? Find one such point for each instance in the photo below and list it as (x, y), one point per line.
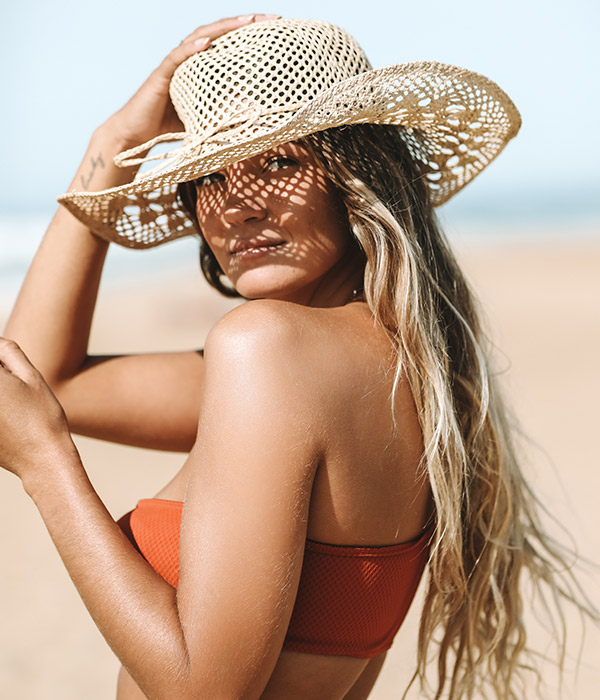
(276, 226)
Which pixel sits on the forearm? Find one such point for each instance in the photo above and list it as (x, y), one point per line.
(133, 607)
(52, 317)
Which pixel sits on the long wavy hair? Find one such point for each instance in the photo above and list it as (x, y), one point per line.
(488, 538)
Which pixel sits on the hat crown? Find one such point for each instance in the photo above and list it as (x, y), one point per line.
(263, 70)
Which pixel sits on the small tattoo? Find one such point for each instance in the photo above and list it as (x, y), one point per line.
(95, 163)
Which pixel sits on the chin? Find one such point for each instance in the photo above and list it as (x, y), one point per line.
(270, 284)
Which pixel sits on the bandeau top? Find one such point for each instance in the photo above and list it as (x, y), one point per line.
(351, 601)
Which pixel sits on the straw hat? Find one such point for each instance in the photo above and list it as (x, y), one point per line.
(273, 82)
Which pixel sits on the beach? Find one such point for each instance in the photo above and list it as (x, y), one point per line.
(541, 298)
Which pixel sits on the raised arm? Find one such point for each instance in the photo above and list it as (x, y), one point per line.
(137, 400)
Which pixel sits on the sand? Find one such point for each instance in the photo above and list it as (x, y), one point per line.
(542, 300)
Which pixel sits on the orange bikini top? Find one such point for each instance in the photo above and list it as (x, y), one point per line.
(351, 600)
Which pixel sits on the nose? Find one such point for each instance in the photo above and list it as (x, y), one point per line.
(244, 206)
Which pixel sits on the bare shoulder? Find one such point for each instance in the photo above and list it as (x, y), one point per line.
(256, 321)
(322, 342)
(324, 368)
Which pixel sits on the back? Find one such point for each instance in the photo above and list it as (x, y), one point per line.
(365, 489)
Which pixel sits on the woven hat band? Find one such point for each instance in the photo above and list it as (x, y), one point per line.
(253, 120)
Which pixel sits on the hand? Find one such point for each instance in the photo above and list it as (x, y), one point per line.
(33, 427)
(150, 112)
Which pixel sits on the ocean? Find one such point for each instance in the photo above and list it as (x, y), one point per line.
(20, 237)
(477, 223)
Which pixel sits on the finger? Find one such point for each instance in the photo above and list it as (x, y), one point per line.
(222, 26)
(14, 360)
(180, 54)
(200, 39)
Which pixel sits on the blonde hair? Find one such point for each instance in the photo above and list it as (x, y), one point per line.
(488, 531)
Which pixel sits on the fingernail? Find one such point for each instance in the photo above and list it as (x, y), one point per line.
(246, 18)
(202, 42)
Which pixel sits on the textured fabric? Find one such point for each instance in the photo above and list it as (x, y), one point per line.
(155, 525)
(273, 82)
(351, 600)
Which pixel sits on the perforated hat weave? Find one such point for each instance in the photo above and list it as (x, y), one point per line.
(273, 82)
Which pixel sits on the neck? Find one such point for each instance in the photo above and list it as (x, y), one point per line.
(341, 285)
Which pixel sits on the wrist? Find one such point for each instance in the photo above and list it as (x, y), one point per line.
(51, 471)
(111, 134)
(98, 170)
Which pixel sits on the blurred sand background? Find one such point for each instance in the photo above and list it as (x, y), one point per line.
(542, 299)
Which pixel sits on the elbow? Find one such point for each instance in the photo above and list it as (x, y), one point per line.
(202, 691)
(202, 684)
(216, 684)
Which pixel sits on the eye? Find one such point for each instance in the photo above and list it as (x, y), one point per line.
(210, 179)
(280, 163)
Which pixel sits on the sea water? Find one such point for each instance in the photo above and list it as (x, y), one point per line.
(20, 236)
(480, 221)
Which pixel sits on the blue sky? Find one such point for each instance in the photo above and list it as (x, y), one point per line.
(67, 65)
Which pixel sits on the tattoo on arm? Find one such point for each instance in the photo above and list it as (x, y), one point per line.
(85, 181)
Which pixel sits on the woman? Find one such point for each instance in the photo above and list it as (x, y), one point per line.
(343, 426)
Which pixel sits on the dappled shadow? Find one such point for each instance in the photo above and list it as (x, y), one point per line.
(275, 209)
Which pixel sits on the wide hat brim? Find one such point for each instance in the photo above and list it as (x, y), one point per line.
(455, 122)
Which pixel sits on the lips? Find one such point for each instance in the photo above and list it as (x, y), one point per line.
(254, 246)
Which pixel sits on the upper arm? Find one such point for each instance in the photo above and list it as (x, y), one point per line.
(143, 400)
(246, 508)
